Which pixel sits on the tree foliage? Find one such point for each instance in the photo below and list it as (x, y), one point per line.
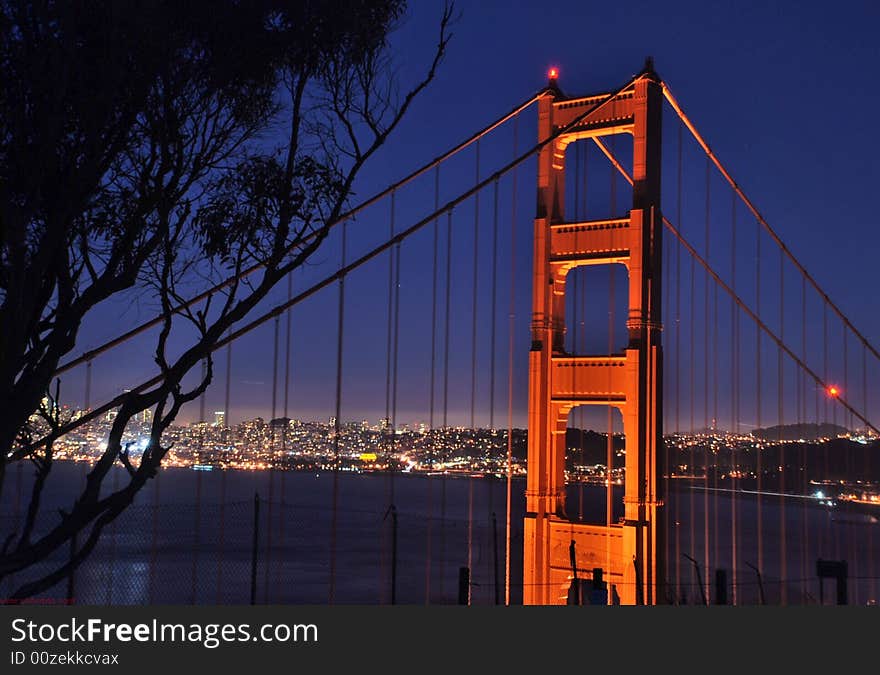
(139, 148)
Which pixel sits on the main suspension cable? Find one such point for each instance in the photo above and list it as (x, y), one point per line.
(818, 379)
(741, 194)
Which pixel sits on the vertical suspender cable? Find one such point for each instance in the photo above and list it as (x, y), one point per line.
(667, 387)
(198, 505)
(716, 357)
(865, 392)
(272, 461)
(386, 423)
(847, 415)
(707, 448)
(493, 321)
(494, 305)
(678, 376)
(805, 481)
(470, 522)
(825, 355)
(227, 392)
(780, 364)
(510, 333)
(336, 422)
(759, 446)
(226, 441)
(276, 329)
(692, 516)
(827, 473)
(285, 428)
(287, 340)
(847, 423)
(872, 597)
(202, 399)
(734, 371)
(395, 359)
(433, 431)
(386, 426)
(448, 319)
(392, 466)
(88, 396)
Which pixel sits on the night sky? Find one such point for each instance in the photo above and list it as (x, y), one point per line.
(784, 94)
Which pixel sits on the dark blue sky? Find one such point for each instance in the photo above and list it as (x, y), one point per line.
(783, 92)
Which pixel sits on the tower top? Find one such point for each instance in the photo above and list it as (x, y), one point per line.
(648, 68)
(553, 79)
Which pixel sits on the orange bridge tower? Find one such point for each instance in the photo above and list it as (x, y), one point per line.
(629, 551)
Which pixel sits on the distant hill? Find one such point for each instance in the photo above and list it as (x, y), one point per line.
(794, 432)
(593, 443)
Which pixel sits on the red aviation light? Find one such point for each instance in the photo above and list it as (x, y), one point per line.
(833, 390)
(553, 73)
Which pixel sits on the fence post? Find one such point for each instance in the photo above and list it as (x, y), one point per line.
(255, 548)
(393, 511)
(833, 569)
(699, 578)
(574, 588)
(760, 583)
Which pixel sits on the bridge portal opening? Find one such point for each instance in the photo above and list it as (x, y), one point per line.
(596, 299)
(588, 450)
(594, 186)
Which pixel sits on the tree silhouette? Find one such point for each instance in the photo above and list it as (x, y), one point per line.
(139, 149)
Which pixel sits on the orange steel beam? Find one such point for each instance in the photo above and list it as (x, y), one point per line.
(555, 547)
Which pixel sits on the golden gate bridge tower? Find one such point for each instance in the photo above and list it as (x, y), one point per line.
(557, 548)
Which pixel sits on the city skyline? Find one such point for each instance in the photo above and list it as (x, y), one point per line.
(839, 268)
